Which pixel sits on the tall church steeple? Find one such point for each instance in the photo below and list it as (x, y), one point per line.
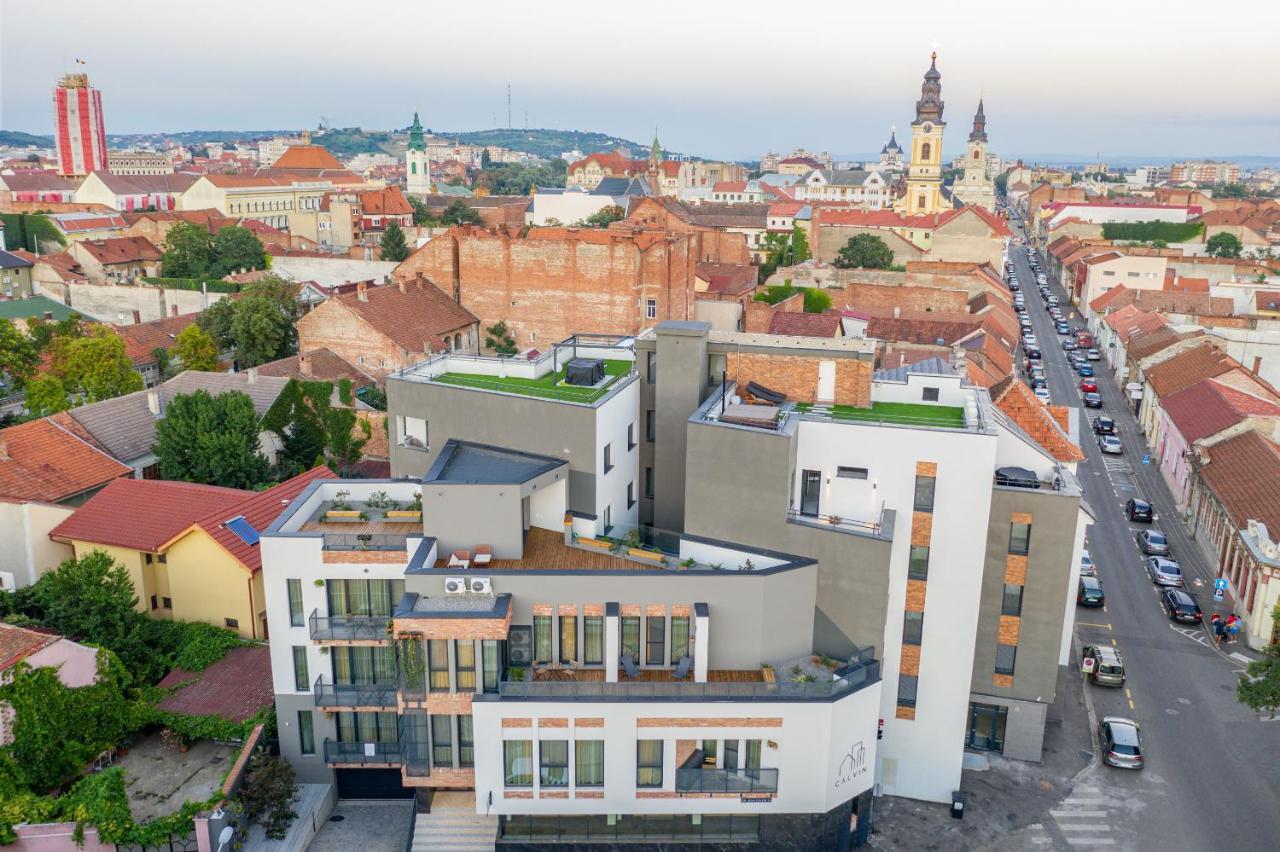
(655, 152)
(924, 176)
(929, 107)
(416, 142)
(979, 133)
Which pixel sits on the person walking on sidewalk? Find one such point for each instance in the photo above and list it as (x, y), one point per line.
(1219, 630)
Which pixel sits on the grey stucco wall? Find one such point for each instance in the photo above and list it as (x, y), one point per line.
(462, 516)
(648, 402)
(737, 484)
(1024, 726)
(1053, 529)
(681, 373)
(310, 767)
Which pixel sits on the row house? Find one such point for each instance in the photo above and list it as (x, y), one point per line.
(116, 260)
(133, 192)
(866, 189)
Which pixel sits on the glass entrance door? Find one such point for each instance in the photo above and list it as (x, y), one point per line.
(811, 488)
(986, 726)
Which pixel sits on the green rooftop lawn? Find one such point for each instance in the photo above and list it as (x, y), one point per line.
(548, 387)
(905, 413)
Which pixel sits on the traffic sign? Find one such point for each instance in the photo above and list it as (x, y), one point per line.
(1146, 458)
(1217, 597)
(1220, 584)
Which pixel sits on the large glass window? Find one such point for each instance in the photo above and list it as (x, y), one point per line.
(912, 627)
(492, 662)
(517, 763)
(649, 763)
(296, 617)
(1005, 657)
(593, 640)
(710, 752)
(631, 636)
(1012, 603)
(1019, 539)
(300, 680)
(752, 755)
(918, 566)
(553, 763)
(730, 754)
(655, 646)
(438, 662)
(568, 639)
(363, 665)
(679, 637)
(363, 597)
(464, 653)
(442, 741)
(588, 757)
(907, 690)
(924, 493)
(306, 733)
(542, 638)
(367, 728)
(466, 741)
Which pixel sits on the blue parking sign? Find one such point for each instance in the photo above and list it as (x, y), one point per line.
(1146, 459)
(1220, 584)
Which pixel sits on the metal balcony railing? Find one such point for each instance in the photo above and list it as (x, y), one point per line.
(364, 541)
(345, 696)
(340, 628)
(708, 780)
(362, 754)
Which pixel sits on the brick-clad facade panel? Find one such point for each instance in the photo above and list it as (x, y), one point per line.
(797, 376)
(553, 722)
(516, 722)
(709, 722)
(1002, 680)
(1015, 570)
(449, 703)
(589, 722)
(910, 664)
(1010, 627)
(363, 557)
(905, 713)
(921, 528)
(924, 468)
(454, 628)
(915, 595)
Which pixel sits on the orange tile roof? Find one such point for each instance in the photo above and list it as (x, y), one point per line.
(143, 514)
(121, 249)
(385, 202)
(1244, 473)
(804, 324)
(1021, 406)
(18, 643)
(323, 365)
(306, 157)
(49, 460)
(414, 319)
(1189, 368)
(142, 339)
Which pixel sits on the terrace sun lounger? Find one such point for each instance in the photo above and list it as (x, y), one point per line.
(682, 668)
(460, 559)
(484, 553)
(629, 666)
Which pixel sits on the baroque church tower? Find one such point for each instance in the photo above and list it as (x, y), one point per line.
(976, 187)
(417, 165)
(924, 176)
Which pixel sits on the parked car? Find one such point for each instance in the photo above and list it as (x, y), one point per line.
(1121, 743)
(1093, 400)
(1087, 568)
(1152, 543)
(1088, 386)
(1104, 426)
(1068, 345)
(1062, 328)
(1093, 355)
(1033, 354)
(1039, 383)
(1138, 510)
(1181, 606)
(1085, 371)
(1110, 445)
(1164, 572)
(1089, 592)
(1053, 300)
(1042, 394)
(1108, 668)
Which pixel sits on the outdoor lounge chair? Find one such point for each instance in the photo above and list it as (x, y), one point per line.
(682, 668)
(484, 553)
(629, 666)
(460, 559)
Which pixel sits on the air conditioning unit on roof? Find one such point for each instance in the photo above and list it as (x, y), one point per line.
(455, 585)
(481, 585)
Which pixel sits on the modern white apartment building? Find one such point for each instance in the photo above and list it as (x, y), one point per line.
(671, 590)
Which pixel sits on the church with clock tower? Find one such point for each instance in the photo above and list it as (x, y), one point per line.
(976, 187)
(924, 176)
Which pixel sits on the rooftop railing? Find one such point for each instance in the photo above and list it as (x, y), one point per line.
(365, 541)
(837, 521)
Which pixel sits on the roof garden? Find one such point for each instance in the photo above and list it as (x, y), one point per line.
(896, 413)
(552, 385)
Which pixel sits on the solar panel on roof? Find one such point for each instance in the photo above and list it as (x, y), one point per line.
(243, 529)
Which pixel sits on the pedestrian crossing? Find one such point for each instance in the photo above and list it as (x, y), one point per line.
(1080, 821)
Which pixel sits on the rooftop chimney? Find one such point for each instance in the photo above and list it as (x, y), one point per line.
(362, 291)
(304, 364)
(4, 450)
(137, 317)
(153, 402)
(252, 373)
(400, 285)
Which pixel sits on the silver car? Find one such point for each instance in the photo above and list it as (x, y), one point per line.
(1164, 572)
(1121, 743)
(1110, 445)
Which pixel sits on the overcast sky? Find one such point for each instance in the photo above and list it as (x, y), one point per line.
(727, 79)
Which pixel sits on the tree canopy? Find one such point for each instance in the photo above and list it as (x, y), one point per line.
(258, 327)
(605, 216)
(1224, 244)
(393, 246)
(19, 355)
(192, 252)
(864, 251)
(94, 366)
(211, 439)
(313, 430)
(196, 349)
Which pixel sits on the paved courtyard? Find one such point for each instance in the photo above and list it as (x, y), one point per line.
(369, 826)
(158, 779)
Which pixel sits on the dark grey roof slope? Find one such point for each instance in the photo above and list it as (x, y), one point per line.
(481, 464)
(12, 261)
(126, 427)
(934, 366)
(617, 186)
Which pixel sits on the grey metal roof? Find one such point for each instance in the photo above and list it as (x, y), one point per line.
(846, 177)
(934, 366)
(465, 462)
(616, 186)
(12, 261)
(126, 427)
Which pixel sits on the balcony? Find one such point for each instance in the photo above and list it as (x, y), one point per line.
(350, 629)
(354, 696)
(365, 541)
(362, 754)
(699, 779)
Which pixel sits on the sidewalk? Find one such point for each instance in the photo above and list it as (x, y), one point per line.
(1006, 796)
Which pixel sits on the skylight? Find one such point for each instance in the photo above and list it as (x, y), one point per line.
(243, 529)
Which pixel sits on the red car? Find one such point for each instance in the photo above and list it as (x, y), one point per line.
(1088, 386)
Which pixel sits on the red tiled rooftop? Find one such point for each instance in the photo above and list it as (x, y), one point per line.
(1188, 368)
(1244, 473)
(18, 643)
(805, 324)
(235, 688)
(143, 514)
(1021, 406)
(52, 459)
(1209, 407)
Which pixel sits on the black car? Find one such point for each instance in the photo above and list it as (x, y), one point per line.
(1152, 543)
(1181, 606)
(1138, 510)
(1104, 426)
(1033, 354)
(1093, 400)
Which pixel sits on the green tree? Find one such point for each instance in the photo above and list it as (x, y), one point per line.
(95, 367)
(458, 213)
(19, 356)
(209, 439)
(258, 327)
(864, 251)
(816, 301)
(267, 794)
(1224, 244)
(43, 332)
(605, 216)
(46, 394)
(233, 249)
(421, 213)
(1259, 686)
(800, 251)
(499, 339)
(91, 598)
(188, 252)
(485, 160)
(392, 246)
(312, 429)
(196, 349)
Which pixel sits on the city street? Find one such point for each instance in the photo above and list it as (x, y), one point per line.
(1212, 766)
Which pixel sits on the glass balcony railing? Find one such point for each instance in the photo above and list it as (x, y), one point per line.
(699, 779)
(349, 628)
(362, 754)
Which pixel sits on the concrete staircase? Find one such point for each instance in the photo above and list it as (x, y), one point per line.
(454, 831)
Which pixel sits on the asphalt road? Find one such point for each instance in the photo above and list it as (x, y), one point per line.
(1212, 766)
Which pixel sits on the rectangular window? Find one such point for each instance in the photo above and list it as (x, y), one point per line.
(593, 640)
(155, 602)
(442, 741)
(517, 763)
(918, 566)
(1005, 657)
(492, 663)
(907, 690)
(295, 603)
(753, 755)
(648, 482)
(167, 603)
(542, 638)
(413, 433)
(631, 636)
(569, 639)
(730, 754)
(300, 680)
(851, 472)
(655, 650)
(679, 637)
(924, 493)
(930, 395)
(363, 597)
(650, 308)
(588, 756)
(631, 494)
(709, 752)
(912, 627)
(466, 741)
(650, 421)
(631, 436)
(438, 664)
(649, 763)
(306, 733)
(1012, 604)
(1019, 539)
(231, 623)
(553, 763)
(464, 658)
(608, 457)
(651, 367)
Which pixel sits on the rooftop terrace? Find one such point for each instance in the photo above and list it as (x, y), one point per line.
(898, 413)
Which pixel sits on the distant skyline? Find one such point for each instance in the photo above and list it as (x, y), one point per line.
(718, 79)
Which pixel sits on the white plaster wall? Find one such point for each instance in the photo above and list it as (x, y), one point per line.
(568, 207)
(336, 270)
(612, 419)
(547, 506)
(25, 548)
